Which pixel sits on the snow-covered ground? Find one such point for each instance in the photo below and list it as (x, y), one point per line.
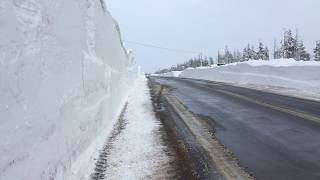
(170, 74)
(64, 78)
(137, 152)
(285, 76)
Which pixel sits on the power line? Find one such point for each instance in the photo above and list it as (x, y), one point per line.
(159, 47)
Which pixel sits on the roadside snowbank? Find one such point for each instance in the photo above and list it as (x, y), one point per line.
(278, 63)
(170, 74)
(64, 78)
(284, 76)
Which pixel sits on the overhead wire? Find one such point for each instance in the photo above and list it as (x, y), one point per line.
(160, 47)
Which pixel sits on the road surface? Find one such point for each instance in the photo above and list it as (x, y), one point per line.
(273, 136)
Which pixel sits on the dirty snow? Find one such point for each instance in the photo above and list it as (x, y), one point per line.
(285, 76)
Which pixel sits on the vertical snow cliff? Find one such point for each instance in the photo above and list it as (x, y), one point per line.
(64, 76)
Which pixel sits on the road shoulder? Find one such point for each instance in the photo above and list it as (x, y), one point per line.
(219, 160)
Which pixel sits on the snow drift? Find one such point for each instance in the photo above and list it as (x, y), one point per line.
(64, 77)
(281, 75)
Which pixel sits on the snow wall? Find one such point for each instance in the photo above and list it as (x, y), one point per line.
(280, 75)
(64, 77)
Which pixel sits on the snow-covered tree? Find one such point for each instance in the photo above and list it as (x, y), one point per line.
(205, 61)
(260, 53)
(317, 51)
(266, 54)
(289, 45)
(253, 53)
(238, 56)
(263, 52)
(281, 50)
(211, 61)
(246, 53)
(277, 54)
(228, 56)
(301, 53)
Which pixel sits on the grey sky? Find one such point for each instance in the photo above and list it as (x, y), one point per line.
(209, 25)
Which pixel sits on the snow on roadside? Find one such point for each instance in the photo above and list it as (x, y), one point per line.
(285, 76)
(170, 74)
(137, 152)
(278, 63)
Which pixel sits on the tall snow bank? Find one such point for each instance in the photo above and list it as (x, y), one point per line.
(281, 75)
(64, 76)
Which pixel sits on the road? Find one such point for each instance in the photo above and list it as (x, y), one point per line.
(273, 136)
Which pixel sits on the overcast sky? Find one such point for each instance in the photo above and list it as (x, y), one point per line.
(209, 25)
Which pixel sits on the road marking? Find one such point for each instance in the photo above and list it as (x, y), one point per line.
(300, 114)
(303, 115)
(226, 164)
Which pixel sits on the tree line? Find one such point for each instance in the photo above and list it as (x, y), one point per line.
(291, 46)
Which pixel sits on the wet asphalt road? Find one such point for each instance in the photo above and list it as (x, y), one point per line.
(274, 136)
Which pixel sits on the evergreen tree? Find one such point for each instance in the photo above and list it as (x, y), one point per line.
(317, 51)
(277, 54)
(301, 53)
(260, 53)
(281, 50)
(211, 60)
(266, 54)
(193, 63)
(198, 61)
(234, 55)
(205, 61)
(228, 56)
(246, 54)
(253, 53)
(238, 56)
(289, 45)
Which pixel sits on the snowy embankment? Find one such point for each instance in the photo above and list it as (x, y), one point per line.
(285, 76)
(64, 78)
(170, 74)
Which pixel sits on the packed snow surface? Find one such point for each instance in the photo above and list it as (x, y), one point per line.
(285, 76)
(138, 153)
(64, 78)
